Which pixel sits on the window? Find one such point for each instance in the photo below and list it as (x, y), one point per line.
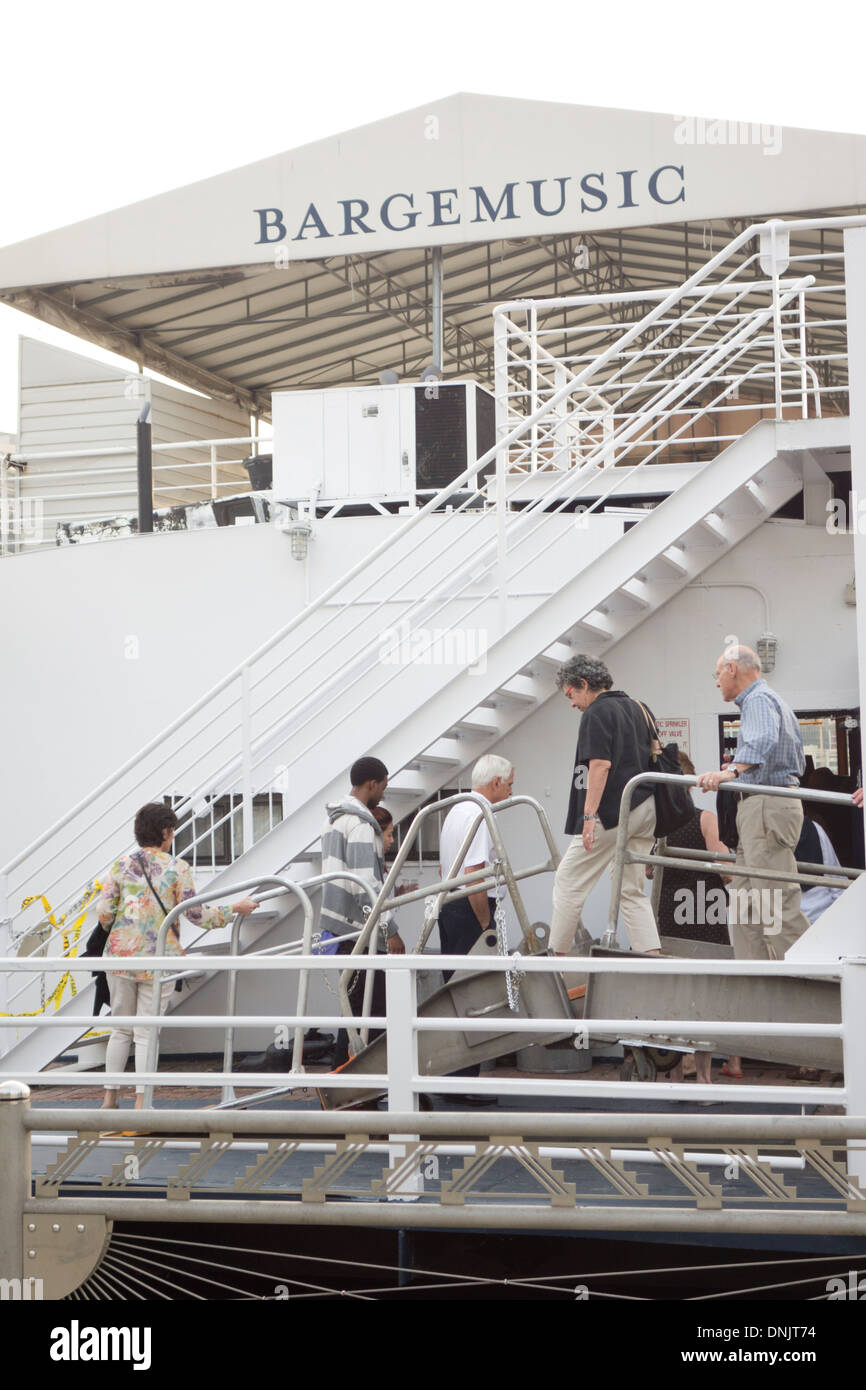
(831, 738)
(425, 850)
(216, 837)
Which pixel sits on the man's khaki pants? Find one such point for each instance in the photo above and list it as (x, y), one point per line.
(581, 869)
(764, 916)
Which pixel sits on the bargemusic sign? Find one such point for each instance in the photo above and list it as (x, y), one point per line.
(466, 169)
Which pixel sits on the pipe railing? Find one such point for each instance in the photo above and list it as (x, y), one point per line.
(404, 1083)
(693, 860)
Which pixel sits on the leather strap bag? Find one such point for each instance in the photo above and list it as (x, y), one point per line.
(673, 804)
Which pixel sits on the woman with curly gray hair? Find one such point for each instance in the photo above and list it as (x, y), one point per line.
(613, 745)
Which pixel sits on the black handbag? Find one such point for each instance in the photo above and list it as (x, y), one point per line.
(96, 944)
(673, 804)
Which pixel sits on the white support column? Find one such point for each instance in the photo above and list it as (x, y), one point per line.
(246, 760)
(854, 1056)
(402, 1066)
(503, 425)
(402, 1039)
(15, 1167)
(855, 293)
(437, 334)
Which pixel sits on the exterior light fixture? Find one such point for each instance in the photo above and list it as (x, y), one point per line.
(299, 533)
(766, 647)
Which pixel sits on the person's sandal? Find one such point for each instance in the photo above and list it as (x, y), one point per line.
(734, 1075)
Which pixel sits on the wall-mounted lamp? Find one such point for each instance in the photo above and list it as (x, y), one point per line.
(766, 647)
(299, 533)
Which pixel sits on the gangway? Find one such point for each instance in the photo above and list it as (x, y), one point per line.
(695, 997)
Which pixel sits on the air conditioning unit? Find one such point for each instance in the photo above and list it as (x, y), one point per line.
(382, 445)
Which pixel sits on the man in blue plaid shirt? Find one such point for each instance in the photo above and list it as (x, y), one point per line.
(765, 917)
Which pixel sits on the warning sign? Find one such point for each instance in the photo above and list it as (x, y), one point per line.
(675, 731)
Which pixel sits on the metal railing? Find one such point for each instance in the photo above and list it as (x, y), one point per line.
(205, 480)
(694, 861)
(785, 354)
(403, 1083)
(251, 732)
(726, 1174)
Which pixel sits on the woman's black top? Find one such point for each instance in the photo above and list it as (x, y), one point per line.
(614, 729)
(693, 906)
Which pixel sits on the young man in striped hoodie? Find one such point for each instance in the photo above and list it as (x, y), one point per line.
(352, 842)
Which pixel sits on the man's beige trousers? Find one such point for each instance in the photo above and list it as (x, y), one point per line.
(581, 869)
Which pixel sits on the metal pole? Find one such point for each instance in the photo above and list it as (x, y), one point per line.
(144, 456)
(4, 504)
(15, 1167)
(437, 309)
(402, 1067)
(853, 1052)
(246, 759)
(231, 1009)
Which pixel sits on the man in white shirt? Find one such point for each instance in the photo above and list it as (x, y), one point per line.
(461, 922)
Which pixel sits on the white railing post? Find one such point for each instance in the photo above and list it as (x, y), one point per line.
(854, 1057)
(214, 489)
(6, 949)
(500, 342)
(774, 257)
(246, 760)
(400, 1010)
(533, 385)
(15, 1167)
(804, 378)
(500, 373)
(402, 1039)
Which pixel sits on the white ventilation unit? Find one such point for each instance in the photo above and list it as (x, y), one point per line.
(384, 444)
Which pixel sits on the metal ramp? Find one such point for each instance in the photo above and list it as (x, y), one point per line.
(470, 996)
(717, 997)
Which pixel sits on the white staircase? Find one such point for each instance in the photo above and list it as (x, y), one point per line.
(434, 655)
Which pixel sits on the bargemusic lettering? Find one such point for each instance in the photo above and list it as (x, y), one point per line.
(440, 207)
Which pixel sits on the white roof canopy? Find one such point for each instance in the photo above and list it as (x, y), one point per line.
(314, 267)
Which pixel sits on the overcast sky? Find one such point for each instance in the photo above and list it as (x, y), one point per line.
(106, 104)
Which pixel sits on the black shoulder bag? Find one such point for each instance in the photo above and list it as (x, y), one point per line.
(96, 944)
(673, 804)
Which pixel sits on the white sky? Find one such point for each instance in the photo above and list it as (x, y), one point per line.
(106, 104)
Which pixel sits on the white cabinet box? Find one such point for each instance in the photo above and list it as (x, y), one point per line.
(383, 444)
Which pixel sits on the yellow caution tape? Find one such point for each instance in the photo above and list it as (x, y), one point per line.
(70, 943)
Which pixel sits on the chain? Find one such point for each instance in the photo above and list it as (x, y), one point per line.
(430, 913)
(514, 976)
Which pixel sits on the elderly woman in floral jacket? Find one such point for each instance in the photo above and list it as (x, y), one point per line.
(138, 895)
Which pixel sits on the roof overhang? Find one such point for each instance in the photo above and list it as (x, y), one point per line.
(313, 267)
